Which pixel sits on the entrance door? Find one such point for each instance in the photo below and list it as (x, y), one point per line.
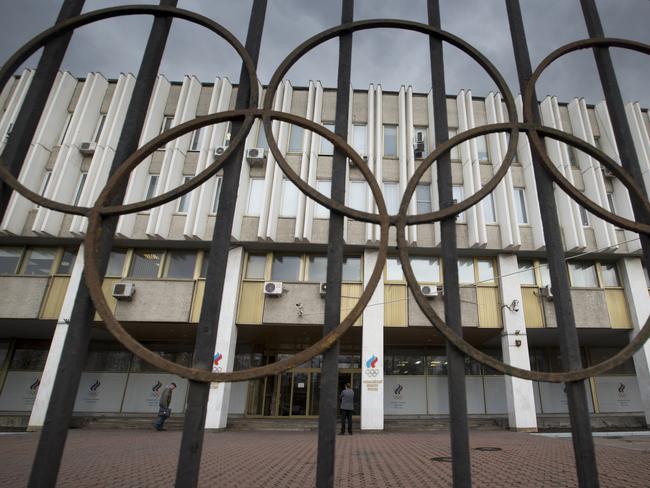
(353, 377)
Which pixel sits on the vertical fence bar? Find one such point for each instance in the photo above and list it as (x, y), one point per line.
(616, 109)
(458, 425)
(189, 460)
(329, 369)
(51, 443)
(583, 443)
(32, 108)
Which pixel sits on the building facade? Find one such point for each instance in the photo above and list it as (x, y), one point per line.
(273, 302)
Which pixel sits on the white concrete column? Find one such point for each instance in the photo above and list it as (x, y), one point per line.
(42, 401)
(224, 351)
(636, 293)
(372, 353)
(519, 393)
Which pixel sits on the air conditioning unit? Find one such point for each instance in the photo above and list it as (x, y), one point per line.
(351, 163)
(124, 291)
(546, 292)
(607, 173)
(273, 288)
(87, 148)
(256, 156)
(418, 154)
(418, 146)
(429, 290)
(220, 150)
(322, 289)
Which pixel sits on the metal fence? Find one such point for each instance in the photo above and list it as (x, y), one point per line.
(107, 208)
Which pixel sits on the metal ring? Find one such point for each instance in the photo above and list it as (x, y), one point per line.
(24, 52)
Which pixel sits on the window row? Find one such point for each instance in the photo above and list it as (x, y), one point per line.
(429, 270)
(36, 261)
(299, 267)
(157, 263)
(183, 202)
(582, 274)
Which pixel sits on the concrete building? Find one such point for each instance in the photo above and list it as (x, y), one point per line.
(394, 359)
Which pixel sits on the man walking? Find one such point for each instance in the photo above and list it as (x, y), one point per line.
(165, 400)
(347, 405)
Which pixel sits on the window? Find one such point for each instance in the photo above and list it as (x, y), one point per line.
(544, 273)
(325, 187)
(426, 270)
(145, 264)
(583, 274)
(217, 192)
(256, 266)
(520, 205)
(166, 123)
(489, 210)
(481, 148)
(100, 127)
(80, 188)
(391, 194)
(390, 141)
(394, 269)
(352, 268)
(465, 270)
(67, 262)
(609, 274)
(46, 183)
(420, 141)
(295, 139)
(197, 137)
(317, 268)
(584, 216)
(204, 264)
(454, 155)
(227, 134)
(116, 262)
(289, 203)
(458, 194)
(261, 138)
(66, 126)
(152, 186)
(527, 273)
(9, 259)
(39, 262)
(326, 147)
(180, 264)
(573, 160)
(255, 192)
(285, 268)
(423, 198)
(360, 138)
(185, 199)
(485, 270)
(610, 202)
(357, 195)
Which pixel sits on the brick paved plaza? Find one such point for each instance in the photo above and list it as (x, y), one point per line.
(141, 458)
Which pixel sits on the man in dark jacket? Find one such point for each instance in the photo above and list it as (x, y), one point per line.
(347, 406)
(165, 401)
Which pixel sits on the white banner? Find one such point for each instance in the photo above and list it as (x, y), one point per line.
(553, 398)
(618, 394)
(405, 395)
(495, 394)
(143, 392)
(19, 391)
(100, 392)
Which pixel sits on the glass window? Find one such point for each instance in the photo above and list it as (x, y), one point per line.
(357, 195)
(326, 147)
(600, 354)
(114, 361)
(180, 264)
(39, 262)
(255, 194)
(394, 270)
(584, 216)
(28, 359)
(227, 134)
(255, 269)
(489, 210)
(544, 273)
(583, 274)
(9, 259)
(352, 268)
(647, 276)
(391, 194)
(289, 203)
(261, 138)
(485, 270)
(166, 123)
(317, 268)
(217, 192)
(402, 363)
(609, 274)
(465, 270)
(99, 128)
(454, 154)
(116, 262)
(481, 147)
(67, 262)
(152, 186)
(197, 137)
(66, 126)
(360, 138)
(610, 202)
(420, 142)
(145, 264)
(325, 187)
(437, 364)
(573, 160)
(390, 141)
(458, 194)
(426, 270)
(185, 199)
(527, 273)
(520, 204)
(46, 183)
(285, 268)
(80, 188)
(295, 139)
(204, 264)
(423, 198)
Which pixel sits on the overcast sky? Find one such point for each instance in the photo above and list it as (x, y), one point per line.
(389, 57)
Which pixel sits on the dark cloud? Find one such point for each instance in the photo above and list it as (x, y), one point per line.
(390, 57)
